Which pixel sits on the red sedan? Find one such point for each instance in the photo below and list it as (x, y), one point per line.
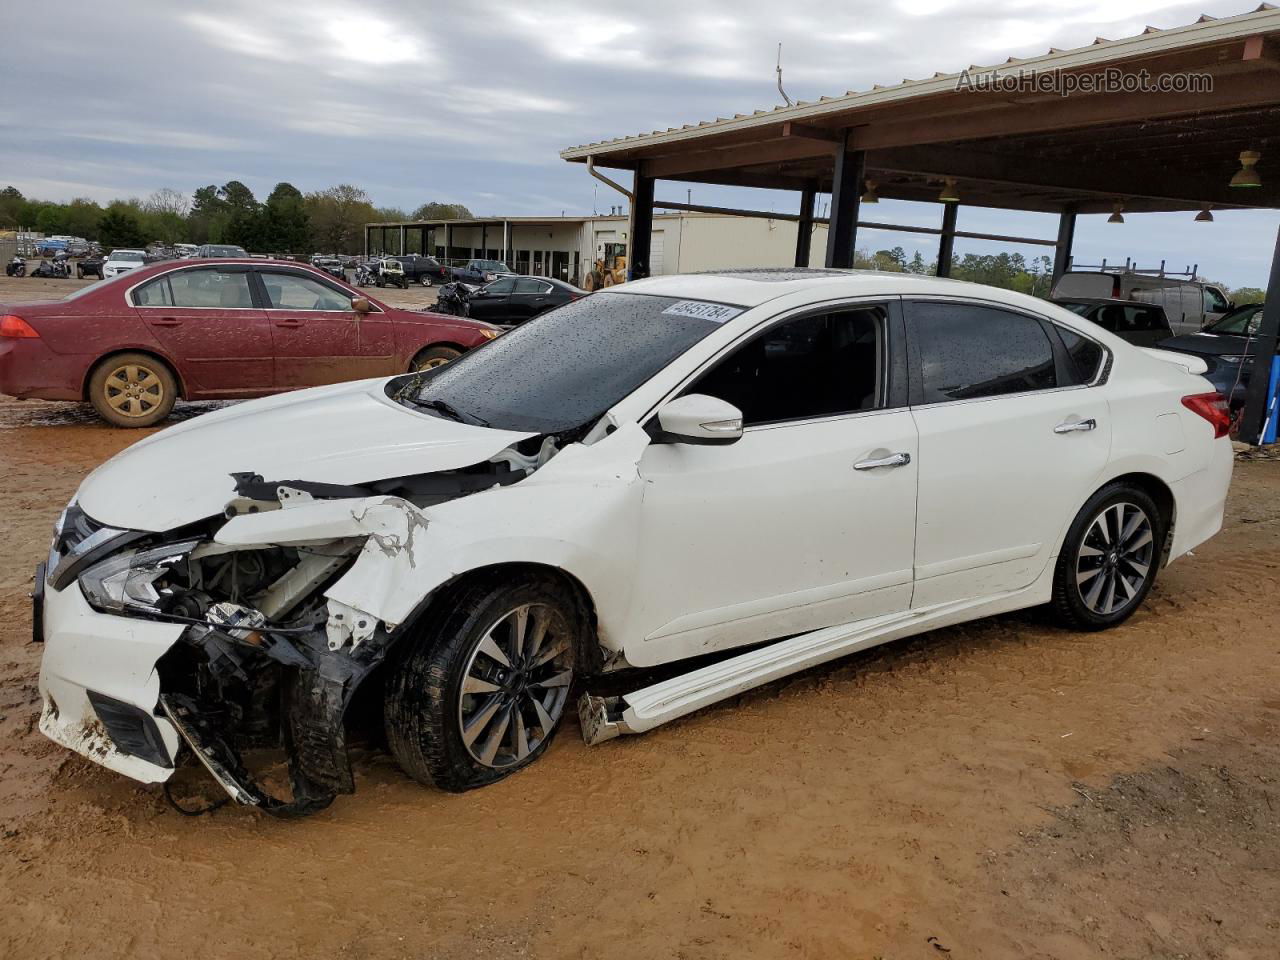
(214, 329)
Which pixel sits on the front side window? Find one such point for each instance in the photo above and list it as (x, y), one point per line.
(570, 367)
(815, 366)
(1214, 302)
(968, 351)
(197, 289)
(500, 287)
(289, 291)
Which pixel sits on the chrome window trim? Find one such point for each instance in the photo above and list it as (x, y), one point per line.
(1099, 377)
(128, 294)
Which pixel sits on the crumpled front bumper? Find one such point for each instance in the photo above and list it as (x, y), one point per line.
(91, 656)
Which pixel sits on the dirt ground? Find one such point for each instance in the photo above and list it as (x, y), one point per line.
(1005, 789)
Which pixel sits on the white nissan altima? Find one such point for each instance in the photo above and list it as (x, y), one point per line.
(775, 468)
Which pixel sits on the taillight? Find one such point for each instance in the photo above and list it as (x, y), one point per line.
(1213, 407)
(14, 326)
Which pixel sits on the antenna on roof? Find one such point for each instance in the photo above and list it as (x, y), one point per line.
(779, 68)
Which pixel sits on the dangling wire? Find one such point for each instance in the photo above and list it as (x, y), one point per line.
(780, 90)
(208, 808)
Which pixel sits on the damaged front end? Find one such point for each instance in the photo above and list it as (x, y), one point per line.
(266, 660)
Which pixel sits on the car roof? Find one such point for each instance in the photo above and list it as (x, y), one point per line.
(752, 287)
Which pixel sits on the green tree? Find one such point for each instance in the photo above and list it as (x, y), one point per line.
(207, 221)
(442, 211)
(286, 225)
(390, 214)
(11, 202)
(121, 227)
(82, 216)
(338, 216)
(1243, 295)
(244, 216)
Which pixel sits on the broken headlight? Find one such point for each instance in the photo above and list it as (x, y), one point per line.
(128, 580)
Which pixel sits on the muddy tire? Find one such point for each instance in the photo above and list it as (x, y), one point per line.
(483, 686)
(433, 357)
(132, 390)
(1109, 559)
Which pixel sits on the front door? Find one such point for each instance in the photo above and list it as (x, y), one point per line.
(316, 333)
(1011, 446)
(808, 520)
(492, 302)
(206, 319)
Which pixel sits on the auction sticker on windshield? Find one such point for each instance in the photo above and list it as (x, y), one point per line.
(701, 310)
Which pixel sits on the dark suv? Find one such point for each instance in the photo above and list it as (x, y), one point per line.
(422, 269)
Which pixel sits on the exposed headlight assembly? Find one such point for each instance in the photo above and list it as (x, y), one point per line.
(126, 581)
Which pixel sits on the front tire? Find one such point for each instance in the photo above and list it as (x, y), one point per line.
(426, 280)
(1110, 558)
(132, 390)
(483, 687)
(433, 357)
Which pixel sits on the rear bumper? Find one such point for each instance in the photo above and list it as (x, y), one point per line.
(98, 675)
(1201, 499)
(30, 370)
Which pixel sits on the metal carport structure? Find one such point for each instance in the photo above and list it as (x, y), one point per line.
(1017, 143)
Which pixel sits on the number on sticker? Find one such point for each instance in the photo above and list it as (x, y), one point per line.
(701, 310)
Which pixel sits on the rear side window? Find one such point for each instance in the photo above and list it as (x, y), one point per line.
(815, 366)
(1086, 355)
(532, 286)
(969, 351)
(210, 288)
(196, 289)
(154, 294)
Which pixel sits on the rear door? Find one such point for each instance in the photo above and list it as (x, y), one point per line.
(206, 318)
(315, 331)
(1011, 444)
(530, 297)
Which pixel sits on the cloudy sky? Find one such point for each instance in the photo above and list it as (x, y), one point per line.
(471, 102)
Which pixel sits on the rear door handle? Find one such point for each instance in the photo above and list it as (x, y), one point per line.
(166, 322)
(893, 460)
(1071, 426)
(290, 322)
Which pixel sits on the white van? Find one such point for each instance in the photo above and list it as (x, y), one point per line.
(1189, 304)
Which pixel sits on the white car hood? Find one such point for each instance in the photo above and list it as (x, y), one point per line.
(349, 433)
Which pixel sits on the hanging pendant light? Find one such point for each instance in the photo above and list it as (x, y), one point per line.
(870, 196)
(1117, 212)
(949, 193)
(1205, 215)
(1247, 175)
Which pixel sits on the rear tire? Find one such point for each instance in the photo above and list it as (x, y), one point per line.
(481, 689)
(426, 280)
(132, 390)
(1109, 559)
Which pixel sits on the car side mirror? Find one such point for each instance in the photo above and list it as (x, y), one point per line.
(698, 419)
(361, 305)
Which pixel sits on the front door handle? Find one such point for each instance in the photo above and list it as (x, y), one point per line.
(166, 322)
(1071, 426)
(291, 322)
(893, 460)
